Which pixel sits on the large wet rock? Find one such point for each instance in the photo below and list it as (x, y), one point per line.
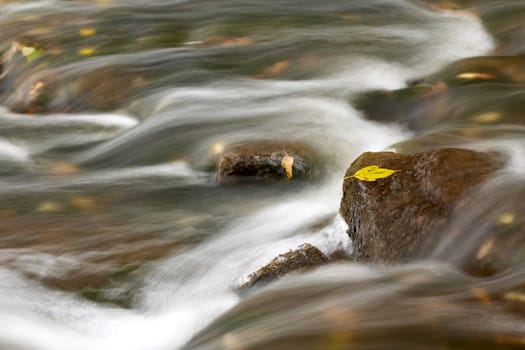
(399, 217)
(303, 258)
(263, 160)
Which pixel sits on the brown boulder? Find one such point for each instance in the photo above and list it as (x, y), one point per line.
(264, 160)
(303, 258)
(399, 217)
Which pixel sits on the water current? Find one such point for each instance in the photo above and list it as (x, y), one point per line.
(113, 231)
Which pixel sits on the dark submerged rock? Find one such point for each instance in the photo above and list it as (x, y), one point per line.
(263, 160)
(487, 232)
(399, 217)
(452, 96)
(303, 258)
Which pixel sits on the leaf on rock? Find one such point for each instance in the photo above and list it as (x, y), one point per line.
(372, 173)
(287, 164)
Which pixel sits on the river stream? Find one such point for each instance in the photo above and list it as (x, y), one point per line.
(113, 231)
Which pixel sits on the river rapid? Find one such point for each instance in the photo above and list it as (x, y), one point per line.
(113, 231)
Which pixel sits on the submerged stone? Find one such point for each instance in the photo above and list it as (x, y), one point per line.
(399, 217)
(487, 233)
(303, 258)
(472, 91)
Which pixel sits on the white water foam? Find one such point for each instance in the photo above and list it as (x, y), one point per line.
(12, 152)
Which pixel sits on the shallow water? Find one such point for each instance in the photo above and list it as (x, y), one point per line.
(113, 231)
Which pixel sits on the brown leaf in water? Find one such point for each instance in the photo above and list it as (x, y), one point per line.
(243, 40)
(485, 249)
(481, 294)
(63, 168)
(277, 68)
(83, 203)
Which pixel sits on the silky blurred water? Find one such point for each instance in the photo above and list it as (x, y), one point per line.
(113, 231)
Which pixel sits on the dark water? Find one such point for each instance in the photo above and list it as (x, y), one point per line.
(115, 235)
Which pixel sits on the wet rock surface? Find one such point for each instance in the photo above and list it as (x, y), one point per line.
(264, 160)
(399, 217)
(305, 257)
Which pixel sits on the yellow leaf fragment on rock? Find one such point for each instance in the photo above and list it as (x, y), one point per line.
(372, 173)
(506, 218)
(87, 51)
(87, 31)
(287, 164)
(474, 75)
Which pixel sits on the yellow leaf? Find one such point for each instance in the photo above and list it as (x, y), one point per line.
(87, 51)
(372, 173)
(485, 249)
(217, 148)
(31, 53)
(87, 31)
(487, 118)
(287, 164)
(474, 75)
(49, 207)
(506, 218)
(514, 296)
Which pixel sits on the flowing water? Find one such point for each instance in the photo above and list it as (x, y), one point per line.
(113, 231)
